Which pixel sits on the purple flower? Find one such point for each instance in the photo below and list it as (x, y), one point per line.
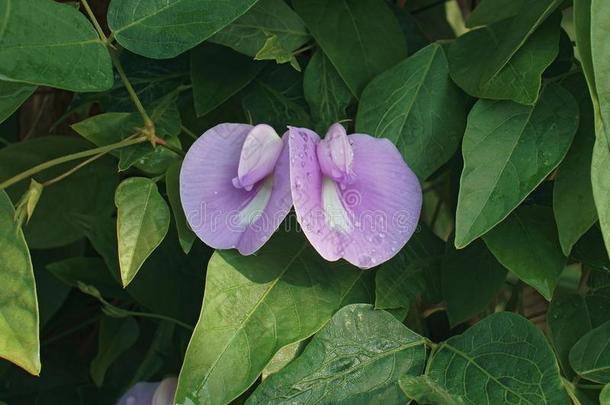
(235, 186)
(161, 393)
(354, 196)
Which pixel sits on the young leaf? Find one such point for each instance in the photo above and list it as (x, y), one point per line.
(19, 341)
(360, 37)
(142, 222)
(508, 150)
(87, 191)
(470, 278)
(12, 95)
(172, 187)
(400, 279)
(416, 105)
(253, 306)
(326, 93)
(217, 74)
(505, 60)
(165, 29)
(115, 337)
(358, 357)
(501, 359)
(251, 32)
(526, 243)
(47, 43)
(573, 203)
(590, 356)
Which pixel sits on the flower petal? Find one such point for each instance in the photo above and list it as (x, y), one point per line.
(367, 221)
(165, 392)
(140, 394)
(259, 154)
(222, 215)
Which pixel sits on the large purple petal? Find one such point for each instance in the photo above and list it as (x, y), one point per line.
(222, 215)
(366, 221)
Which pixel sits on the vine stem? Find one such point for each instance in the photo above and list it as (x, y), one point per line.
(68, 158)
(96, 24)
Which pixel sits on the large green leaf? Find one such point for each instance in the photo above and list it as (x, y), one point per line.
(508, 150)
(590, 356)
(470, 278)
(425, 391)
(217, 74)
(600, 55)
(527, 244)
(19, 340)
(142, 222)
(601, 182)
(269, 22)
(166, 28)
(326, 93)
(51, 225)
(115, 337)
(12, 95)
(572, 194)
(47, 43)
(505, 60)
(400, 279)
(360, 37)
(253, 306)
(172, 187)
(572, 315)
(276, 98)
(416, 105)
(501, 359)
(357, 358)
(491, 11)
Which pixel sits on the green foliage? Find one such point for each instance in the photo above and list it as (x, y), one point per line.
(500, 107)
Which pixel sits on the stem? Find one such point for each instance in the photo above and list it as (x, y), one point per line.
(148, 123)
(162, 317)
(70, 331)
(68, 158)
(188, 132)
(96, 24)
(73, 170)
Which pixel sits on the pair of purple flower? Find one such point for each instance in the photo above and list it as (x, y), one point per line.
(354, 196)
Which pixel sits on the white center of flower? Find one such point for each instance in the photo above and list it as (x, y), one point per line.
(336, 215)
(255, 207)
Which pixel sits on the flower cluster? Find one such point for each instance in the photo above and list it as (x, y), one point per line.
(354, 196)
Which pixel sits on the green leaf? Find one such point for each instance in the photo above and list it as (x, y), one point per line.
(52, 223)
(590, 356)
(501, 359)
(115, 337)
(253, 306)
(282, 358)
(505, 60)
(267, 19)
(572, 315)
(107, 128)
(47, 43)
(425, 391)
(360, 37)
(142, 223)
(276, 98)
(186, 237)
(357, 358)
(164, 29)
(400, 279)
(19, 342)
(416, 105)
(526, 243)
(491, 11)
(217, 74)
(604, 396)
(600, 54)
(508, 151)
(601, 184)
(470, 278)
(573, 201)
(326, 93)
(12, 95)
(87, 270)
